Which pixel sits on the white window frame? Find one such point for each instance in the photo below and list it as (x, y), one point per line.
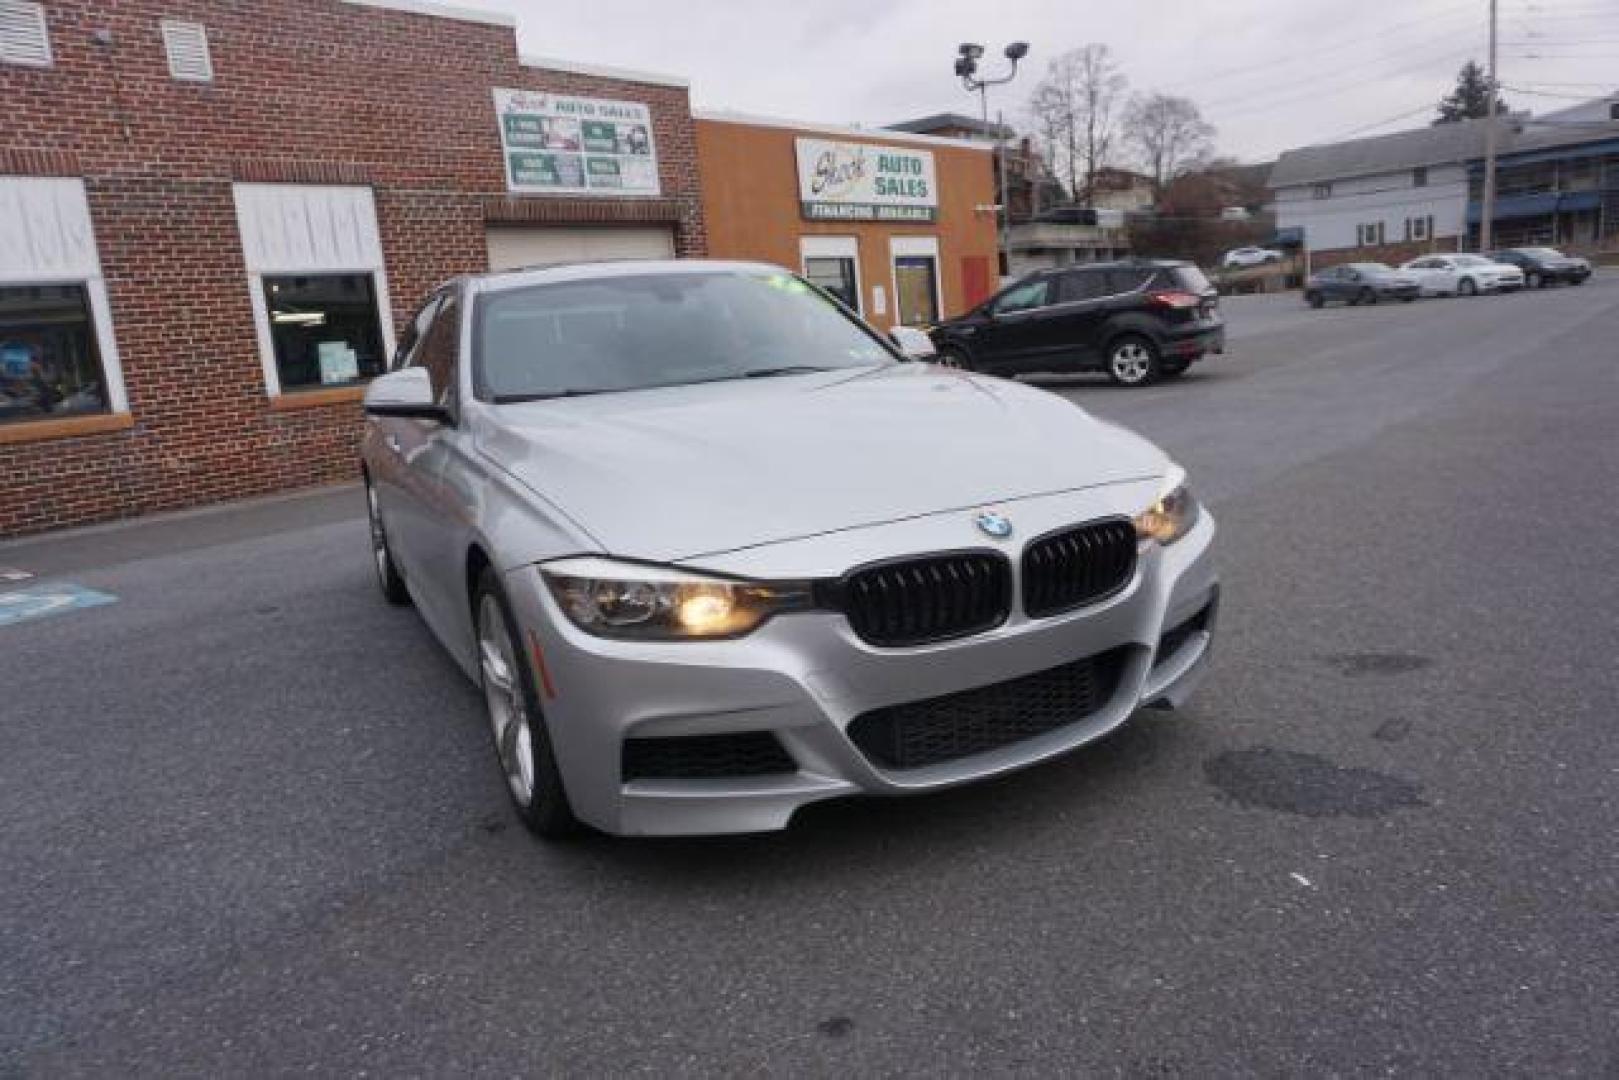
(834, 247)
(78, 267)
(915, 246)
(263, 263)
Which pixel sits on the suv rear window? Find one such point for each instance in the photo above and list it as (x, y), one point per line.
(1125, 281)
(1081, 285)
(1189, 278)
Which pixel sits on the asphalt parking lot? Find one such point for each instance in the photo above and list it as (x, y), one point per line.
(250, 823)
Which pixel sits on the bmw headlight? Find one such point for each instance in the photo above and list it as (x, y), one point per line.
(627, 600)
(1172, 514)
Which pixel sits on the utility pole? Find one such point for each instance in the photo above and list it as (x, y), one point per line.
(1486, 221)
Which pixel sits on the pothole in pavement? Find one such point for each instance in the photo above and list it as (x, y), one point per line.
(1305, 784)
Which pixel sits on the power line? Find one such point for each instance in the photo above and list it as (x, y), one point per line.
(1357, 82)
(1310, 56)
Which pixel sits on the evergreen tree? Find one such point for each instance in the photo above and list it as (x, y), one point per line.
(1471, 98)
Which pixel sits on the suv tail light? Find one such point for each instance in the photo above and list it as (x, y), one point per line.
(1180, 301)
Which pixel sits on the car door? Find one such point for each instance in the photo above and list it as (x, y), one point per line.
(1344, 284)
(386, 460)
(1430, 273)
(437, 519)
(1014, 329)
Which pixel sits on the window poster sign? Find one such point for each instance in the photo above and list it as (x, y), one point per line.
(841, 181)
(554, 144)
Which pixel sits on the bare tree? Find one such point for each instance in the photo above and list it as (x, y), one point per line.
(1074, 108)
(1170, 134)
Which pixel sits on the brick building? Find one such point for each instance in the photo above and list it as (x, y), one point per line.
(901, 226)
(215, 216)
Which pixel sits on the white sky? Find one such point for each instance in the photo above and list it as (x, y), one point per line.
(1269, 74)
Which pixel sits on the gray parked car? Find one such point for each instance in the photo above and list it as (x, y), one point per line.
(712, 551)
(1360, 283)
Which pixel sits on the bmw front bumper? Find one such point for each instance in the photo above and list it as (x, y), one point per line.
(805, 677)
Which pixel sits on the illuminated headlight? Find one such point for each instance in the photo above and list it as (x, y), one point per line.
(1172, 514)
(625, 600)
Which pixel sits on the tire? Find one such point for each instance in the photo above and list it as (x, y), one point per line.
(1407, 299)
(1576, 281)
(388, 576)
(1315, 299)
(953, 357)
(1366, 296)
(1133, 360)
(1533, 280)
(516, 722)
(1467, 287)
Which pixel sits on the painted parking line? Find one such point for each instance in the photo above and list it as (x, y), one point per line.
(39, 601)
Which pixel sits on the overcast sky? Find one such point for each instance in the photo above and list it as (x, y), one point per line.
(1268, 73)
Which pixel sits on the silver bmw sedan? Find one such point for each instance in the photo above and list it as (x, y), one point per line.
(714, 549)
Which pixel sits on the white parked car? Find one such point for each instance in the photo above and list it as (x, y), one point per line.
(1249, 256)
(1462, 275)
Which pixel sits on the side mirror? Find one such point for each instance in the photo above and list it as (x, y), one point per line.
(913, 343)
(407, 392)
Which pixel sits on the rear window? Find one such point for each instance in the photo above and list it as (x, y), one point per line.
(1191, 279)
(1126, 281)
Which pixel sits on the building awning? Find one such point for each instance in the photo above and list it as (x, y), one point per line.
(1524, 206)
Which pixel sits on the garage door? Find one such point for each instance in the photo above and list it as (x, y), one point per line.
(511, 246)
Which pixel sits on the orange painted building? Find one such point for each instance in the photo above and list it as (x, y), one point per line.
(901, 226)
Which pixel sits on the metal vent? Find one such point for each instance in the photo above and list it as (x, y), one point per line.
(187, 46)
(23, 36)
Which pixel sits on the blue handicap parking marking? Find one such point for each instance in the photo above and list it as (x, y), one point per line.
(38, 601)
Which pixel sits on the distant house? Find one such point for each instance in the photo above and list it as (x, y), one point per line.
(1391, 197)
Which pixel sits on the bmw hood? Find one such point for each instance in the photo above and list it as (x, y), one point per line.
(678, 472)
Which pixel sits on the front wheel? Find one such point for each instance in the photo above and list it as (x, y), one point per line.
(1468, 287)
(516, 723)
(1314, 299)
(1368, 296)
(1133, 360)
(952, 357)
(388, 576)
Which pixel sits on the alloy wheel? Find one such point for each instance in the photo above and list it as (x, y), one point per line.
(509, 719)
(379, 539)
(1131, 362)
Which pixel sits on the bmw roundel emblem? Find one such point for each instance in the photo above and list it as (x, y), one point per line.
(996, 526)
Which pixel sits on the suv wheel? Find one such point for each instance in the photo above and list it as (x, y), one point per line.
(952, 357)
(1132, 360)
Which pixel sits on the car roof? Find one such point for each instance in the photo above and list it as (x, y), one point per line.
(1122, 264)
(607, 269)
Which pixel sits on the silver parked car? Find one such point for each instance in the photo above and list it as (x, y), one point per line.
(713, 551)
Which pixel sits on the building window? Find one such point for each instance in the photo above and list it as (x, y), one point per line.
(1419, 228)
(318, 288)
(1419, 176)
(1322, 191)
(836, 275)
(325, 329)
(24, 38)
(1369, 235)
(50, 365)
(186, 44)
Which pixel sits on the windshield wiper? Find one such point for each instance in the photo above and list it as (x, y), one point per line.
(789, 369)
(547, 395)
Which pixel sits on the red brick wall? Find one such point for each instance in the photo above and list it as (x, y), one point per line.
(307, 91)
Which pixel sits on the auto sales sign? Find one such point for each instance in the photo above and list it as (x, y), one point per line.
(843, 181)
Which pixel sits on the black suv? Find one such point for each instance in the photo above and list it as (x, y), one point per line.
(1138, 321)
(1542, 266)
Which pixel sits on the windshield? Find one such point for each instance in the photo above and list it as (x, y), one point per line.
(660, 329)
(1371, 268)
(1542, 253)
